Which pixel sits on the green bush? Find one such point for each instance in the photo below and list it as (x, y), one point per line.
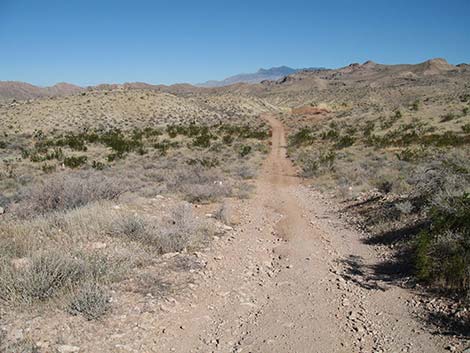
(345, 141)
(203, 140)
(443, 252)
(304, 136)
(317, 164)
(244, 150)
(75, 162)
(97, 165)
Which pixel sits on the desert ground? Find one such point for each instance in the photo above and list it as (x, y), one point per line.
(326, 211)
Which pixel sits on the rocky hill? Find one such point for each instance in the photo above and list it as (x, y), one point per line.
(21, 90)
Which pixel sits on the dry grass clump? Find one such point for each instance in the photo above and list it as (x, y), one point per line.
(181, 230)
(68, 191)
(45, 274)
(25, 345)
(199, 185)
(225, 213)
(91, 300)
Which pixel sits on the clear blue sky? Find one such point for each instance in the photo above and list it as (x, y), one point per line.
(92, 41)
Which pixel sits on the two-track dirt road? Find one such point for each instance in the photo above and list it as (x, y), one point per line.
(284, 281)
(291, 277)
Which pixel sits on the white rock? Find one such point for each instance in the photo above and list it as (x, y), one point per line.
(21, 263)
(68, 349)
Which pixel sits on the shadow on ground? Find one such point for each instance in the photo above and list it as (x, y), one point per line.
(375, 276)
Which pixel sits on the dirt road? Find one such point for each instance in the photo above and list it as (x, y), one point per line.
(291, 277)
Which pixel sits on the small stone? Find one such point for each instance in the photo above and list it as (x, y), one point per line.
(169, 255)
(67, 349)
(2, 210)
(21, 263)
(97, 245)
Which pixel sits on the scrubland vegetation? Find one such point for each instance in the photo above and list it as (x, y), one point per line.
(405, 172)
(88, 210)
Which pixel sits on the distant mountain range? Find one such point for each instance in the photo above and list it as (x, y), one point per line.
(271, 74)
(23, 90)
(283, 76)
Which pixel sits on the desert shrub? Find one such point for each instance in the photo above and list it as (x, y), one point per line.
(198, 184)
(405, 207)
(318, 163)
(466, 128)
(415, 105)
(74, 142)
(409, 155)
(224, 213)
(206, 192)
(260, 132)
(97, 165)
(369, 128)
(43, 154)
(345, 141)
(203, 140)
(48, 168)
(67, 191)
(119, 143)
(447, 117)
(245, 172)
(443, 252)
(90, 300)
(304, 136)
(75, 162)
(206, 162)
(464, 97)
(181, 230)
(465, 111)
(228, 139)
(3, 145)
(384, 185)
(133, 227)
(331, 134)
(24, 345)
(40, 279)
(244, 150)
(164, 146)
(244, 190)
